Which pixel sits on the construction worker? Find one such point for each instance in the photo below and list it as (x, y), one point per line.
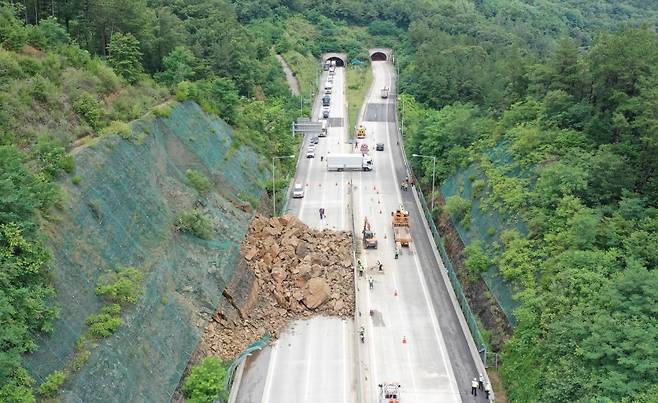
(380, 266)
(397, 252)
(481, 382)
(371, 282)
(474, 387)
(322, 213)
(360, 266)
(487, 389)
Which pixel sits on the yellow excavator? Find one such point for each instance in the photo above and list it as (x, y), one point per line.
(369, 238)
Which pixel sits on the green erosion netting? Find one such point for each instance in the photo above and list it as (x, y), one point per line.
(481, 221)
(123, 213)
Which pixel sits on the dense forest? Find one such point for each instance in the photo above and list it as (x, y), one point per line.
(566, 89)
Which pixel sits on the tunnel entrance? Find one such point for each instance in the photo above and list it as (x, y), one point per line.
(338, 60)
(378, 57)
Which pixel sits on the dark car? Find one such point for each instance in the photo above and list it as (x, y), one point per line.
(326, 100)
(380, 147)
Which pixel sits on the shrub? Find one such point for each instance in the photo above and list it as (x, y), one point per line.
(198, 181)
(477, 260)
(185, 90)
(118, 127)
(197, 223)
(9, 67)
(88, 107)
(457, 206)
(491, 231)
(53, 382)
(75, 56)
(81, 358)
(123, 286)
(51, 157)
(162, 111)
(206, 382)
(478, 186)
(106, 323)
(18, 388)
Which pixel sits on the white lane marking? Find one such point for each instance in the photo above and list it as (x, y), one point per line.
(394, 273)
(434, 321)
(270, 371)
(309, 351)
(345, 368)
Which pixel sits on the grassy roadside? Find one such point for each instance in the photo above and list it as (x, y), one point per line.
(305, 69)
(497, 385)
(359, 80)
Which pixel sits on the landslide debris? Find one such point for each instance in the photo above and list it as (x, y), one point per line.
(298, 272)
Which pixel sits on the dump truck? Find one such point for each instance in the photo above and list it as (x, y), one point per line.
(384, 92)
(349, 162)
(361, 132)
(401, 230)
(369, 238)
(389, 393)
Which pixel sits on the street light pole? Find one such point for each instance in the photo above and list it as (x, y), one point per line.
(274, 182)
(433, 173)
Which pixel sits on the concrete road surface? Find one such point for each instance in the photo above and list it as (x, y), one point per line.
(417, 271)
(404, 342)
(313, 360)
(413, 334)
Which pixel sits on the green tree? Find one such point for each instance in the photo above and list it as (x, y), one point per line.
(179, 65)
(206, 382)
(53, 35)
(125, 56)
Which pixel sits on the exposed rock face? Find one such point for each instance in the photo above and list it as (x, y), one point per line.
(299, 272)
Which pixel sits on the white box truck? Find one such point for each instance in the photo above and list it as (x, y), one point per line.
(349, 162)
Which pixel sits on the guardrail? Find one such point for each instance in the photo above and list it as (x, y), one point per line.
(255, 346)
(454, 280)
(440, 244)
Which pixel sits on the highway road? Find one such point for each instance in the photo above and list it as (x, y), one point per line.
(404, 342)
(313, 360)
(413, 336)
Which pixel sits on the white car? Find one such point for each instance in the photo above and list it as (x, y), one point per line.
(298, 191)
(310, 153)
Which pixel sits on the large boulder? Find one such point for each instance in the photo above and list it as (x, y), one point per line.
(316, 292)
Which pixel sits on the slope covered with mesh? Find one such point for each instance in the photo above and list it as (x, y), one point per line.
(124, 213)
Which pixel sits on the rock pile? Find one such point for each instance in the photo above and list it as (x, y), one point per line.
(298, 272)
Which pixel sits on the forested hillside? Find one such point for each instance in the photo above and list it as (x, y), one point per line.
(561, 125)
(566, 90)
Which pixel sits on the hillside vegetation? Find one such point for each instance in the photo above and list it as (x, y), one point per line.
(563, 90)
(562, 128)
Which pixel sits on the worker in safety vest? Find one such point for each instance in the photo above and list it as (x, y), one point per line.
(474, 387)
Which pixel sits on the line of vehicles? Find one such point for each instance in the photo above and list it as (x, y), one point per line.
(359, 161)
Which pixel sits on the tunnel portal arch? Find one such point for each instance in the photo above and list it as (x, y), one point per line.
(378, 57)
(339, 62)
